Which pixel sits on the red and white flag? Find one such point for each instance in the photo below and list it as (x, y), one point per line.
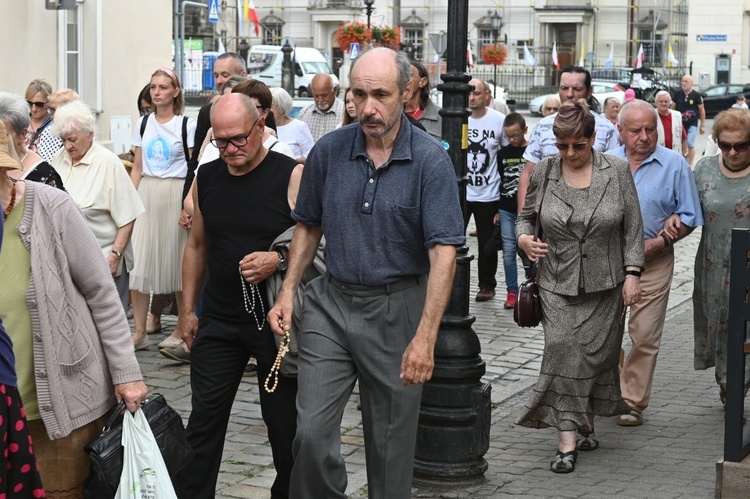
(251, 14)
(640, 58)
(469, 57)
(555, 61)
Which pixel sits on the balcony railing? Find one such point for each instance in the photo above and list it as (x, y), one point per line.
(335, 4)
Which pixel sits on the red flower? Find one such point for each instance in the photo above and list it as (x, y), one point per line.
(494, 54)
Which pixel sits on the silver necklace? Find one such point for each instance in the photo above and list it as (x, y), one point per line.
(249, 301)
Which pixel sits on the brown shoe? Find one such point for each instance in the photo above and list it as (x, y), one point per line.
(485, 294)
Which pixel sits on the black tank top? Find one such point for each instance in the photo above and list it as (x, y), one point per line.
(241, 214)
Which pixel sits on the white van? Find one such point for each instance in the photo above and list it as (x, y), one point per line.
(265, 62)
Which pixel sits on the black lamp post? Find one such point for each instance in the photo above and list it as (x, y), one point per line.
(368, 10)
(496, 21)
(454, 419)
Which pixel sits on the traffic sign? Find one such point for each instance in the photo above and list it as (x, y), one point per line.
(353, 50)
(213, 11)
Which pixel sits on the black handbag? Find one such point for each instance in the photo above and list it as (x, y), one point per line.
(106, 452)
(528, 310)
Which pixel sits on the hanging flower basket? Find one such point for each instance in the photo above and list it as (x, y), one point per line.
(357, 32)
(494, 54)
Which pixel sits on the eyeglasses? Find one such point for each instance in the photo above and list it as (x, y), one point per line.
(739, 147)
(515, 136)
(565, 147)
(144, 111)
(41, 104)
(51, 110)
(237, 142)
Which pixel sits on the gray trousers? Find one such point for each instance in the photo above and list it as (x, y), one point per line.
(350, 333)
(122, 282)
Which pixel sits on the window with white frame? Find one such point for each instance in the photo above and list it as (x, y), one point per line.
(72, 49)
(485, 38)
(415, 37)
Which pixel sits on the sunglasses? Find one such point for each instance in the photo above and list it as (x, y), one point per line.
(36, 104)
(739, 147)
(565, 147)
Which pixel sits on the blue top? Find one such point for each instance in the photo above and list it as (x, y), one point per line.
(542, 140)
(7, 360)
(379, 223)
(665, 185)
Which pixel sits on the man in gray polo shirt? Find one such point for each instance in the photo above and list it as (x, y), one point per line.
(385, 196)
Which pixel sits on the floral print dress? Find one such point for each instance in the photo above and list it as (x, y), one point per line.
(726, 205)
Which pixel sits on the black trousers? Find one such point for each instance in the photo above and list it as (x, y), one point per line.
(483, 213)
(219, 355)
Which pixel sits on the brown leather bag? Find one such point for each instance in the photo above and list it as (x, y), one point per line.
(528, 311)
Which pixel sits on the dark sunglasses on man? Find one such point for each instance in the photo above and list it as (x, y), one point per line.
(37, 103)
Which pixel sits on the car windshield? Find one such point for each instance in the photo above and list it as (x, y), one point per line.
(315, 67)
(716, 91)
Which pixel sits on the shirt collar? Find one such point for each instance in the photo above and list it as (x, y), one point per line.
(333, 109)
(402, 149)
(87, 158)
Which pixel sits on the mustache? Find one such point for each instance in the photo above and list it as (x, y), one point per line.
(371, 120)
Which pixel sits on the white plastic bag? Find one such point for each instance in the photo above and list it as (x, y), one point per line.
(144, 474)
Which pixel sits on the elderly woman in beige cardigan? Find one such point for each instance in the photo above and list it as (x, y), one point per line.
(71, 339)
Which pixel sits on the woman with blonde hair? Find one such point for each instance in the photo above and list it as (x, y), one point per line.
(551, 105)
(590, 258)
(163, 142)
(39, 138)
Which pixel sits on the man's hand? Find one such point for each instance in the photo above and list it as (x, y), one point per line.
(418, 361)
(187, 327)
(132, 393)
(280, 316)
(258, 266)
(653, 246)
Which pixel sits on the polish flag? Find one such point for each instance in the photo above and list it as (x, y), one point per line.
(469, 57)
(555, 61)
(252, 15)
(640, 58)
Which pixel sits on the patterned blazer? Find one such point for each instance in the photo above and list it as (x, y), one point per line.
(590, 250)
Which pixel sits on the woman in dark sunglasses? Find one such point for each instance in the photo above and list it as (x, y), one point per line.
(723, 183)
(590, 256)
(36, 97)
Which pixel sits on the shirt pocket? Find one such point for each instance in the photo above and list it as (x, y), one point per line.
(406, 224)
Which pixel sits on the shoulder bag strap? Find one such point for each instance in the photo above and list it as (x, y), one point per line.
(143, 125)
(184, 138)
(539, 211)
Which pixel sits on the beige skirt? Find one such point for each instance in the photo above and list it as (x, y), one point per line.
(158, 240)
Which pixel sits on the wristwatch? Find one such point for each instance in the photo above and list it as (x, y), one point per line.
(119, 254)
(281, 266)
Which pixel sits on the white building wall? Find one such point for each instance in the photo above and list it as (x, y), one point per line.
(122, 44)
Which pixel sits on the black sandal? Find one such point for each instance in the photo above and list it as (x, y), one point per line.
(565, 462)
(587, 441)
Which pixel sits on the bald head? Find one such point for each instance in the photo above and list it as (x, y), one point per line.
(235, 103)
(637, 125)
(639, 108)
(323, 90)
(687, 83)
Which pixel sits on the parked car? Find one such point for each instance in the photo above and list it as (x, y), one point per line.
(718, 98)
(601, 89)
(621, 76)
(498, 92)
(298, 104)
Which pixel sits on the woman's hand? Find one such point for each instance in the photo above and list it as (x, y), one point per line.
(534, 249)
(631, 290)
(113, 261)
(258, 266)
(132, 393)
(672, 227)
(186, 221)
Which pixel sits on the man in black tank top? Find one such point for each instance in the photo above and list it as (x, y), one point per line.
(243, 201)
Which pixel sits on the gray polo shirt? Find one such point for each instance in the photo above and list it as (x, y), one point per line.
(379, 224)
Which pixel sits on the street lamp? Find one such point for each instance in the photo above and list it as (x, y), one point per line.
(368, 10)
(496, 21)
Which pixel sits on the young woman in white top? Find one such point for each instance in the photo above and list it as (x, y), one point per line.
(159, 169)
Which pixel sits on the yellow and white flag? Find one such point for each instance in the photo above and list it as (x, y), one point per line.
(671, 59)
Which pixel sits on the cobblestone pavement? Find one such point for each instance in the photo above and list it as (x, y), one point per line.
(672, 455)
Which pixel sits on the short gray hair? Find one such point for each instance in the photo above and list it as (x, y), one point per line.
(282, 100)
(633, 104)
(73, 117)
(403, 66)
(662, 92)
(14, 112)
